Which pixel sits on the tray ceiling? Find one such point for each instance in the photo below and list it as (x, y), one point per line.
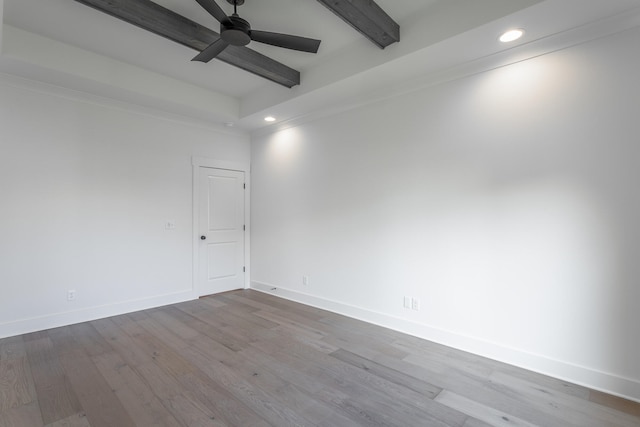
(68, 38)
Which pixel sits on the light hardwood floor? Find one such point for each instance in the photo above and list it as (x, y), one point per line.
(248, 359)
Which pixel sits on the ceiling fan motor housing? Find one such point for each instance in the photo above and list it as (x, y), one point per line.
(235, 31)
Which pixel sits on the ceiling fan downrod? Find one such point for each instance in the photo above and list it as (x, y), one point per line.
(235, 4)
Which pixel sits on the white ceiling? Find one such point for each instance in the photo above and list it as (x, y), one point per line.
(437, 35)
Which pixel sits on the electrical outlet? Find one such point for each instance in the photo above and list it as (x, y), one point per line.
(305, 280)
(407, 302)
(415, 304)
(71, 295)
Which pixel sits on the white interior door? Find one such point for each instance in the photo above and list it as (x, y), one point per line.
(221, 224)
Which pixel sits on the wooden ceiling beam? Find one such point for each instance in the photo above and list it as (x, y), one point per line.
(166, 23)
(368, 18)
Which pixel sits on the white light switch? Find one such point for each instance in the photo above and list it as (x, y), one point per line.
(407, 302)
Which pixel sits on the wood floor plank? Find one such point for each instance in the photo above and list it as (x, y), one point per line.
(193, 413)
(138, 315)
(578, 411)
(11, 346)
(137, 397)
(248, 359)
(88, 337)
(449, 372)
(240, 298)
(478, 363)
(360, 327)
(210, 302)
(225, 405)
(260, 402)
(298, 328)
(361, 346)
(473, 387)
(245, 318)
(408, 405)
(16, 385)
(16, 381)
(295, 328)
(321, 406)
(162, 334)
(76, 420)
(155, 349)
(474, 422)
(121, 342)
(481, 412)
(236, 305)
(178, 328)
(617, 403)
(337, 336)
(396, 377)
(196, 306)
(439, 362)
(282, 391)
(232, 326)
(182, 405)
(99, 403)
(22, 416)
(168, 350)
(287, 306)
(229, 340)
(305, 338)
(205, 388)
(56, 396)
(227, 367)
(329, 392)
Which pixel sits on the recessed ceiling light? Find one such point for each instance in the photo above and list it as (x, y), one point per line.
(511, 35)
(269, 119)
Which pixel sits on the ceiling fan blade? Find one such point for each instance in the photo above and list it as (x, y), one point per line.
(285, 40)
(211, 51)
(212, 7)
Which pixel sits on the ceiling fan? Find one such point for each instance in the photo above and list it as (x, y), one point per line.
(236, 31)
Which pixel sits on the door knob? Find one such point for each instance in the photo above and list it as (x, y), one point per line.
(203, 237)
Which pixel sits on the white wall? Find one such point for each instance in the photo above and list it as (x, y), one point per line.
(507, 202)
(86, 186)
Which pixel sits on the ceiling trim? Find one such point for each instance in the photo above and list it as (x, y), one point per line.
(77, 95)
(537, 48)
(166, 23)
(367, 18)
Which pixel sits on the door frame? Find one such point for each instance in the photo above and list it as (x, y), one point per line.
(204, 162)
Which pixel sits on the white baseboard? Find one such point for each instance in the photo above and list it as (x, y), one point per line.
(609, 383)
(40, 323)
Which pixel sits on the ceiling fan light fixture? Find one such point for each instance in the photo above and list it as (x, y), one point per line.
(511, 35)
(235, 31)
